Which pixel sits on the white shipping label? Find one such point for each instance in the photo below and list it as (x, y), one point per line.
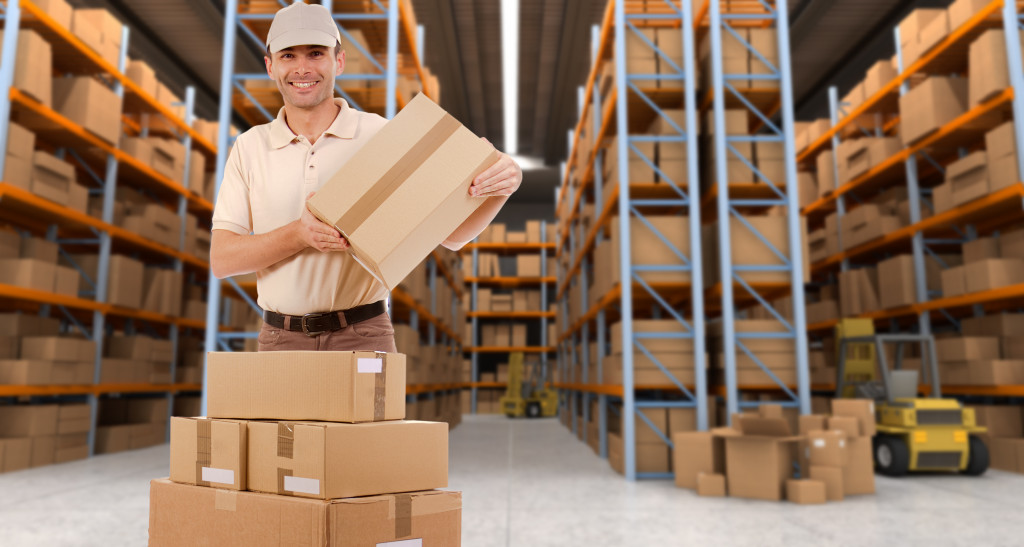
(219, 476)
(369, 365)
(418, 542)
(819, 443)
(842, 443)
(301, 485)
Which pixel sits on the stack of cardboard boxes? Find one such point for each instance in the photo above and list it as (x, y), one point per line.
(33, 353)
(42, 434)
(31, 263)
(986, 353)
(306, 434)
(988, 263)
(1005, 435)
(131, 423)
(136, 360)
(766, 456)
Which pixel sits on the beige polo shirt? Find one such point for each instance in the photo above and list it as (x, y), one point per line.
(268, 175)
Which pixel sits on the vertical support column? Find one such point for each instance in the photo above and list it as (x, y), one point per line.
(833, 114)
(793, 221)
(722, 203)
(1011, 29)
(392, 68)
(693, 194)
(12, 22)
(227, 70)
(625, 266)
(474, 333)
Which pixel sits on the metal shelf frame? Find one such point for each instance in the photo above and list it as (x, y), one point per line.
(103, 231)
(997, 14)
(777, 17)
(475, 315)
(582, 391)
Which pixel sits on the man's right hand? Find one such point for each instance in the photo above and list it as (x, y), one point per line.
(319, 235)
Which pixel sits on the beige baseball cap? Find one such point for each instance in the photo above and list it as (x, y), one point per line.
(302, 24)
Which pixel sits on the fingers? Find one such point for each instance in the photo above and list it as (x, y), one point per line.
(508, 178)
(491, 172)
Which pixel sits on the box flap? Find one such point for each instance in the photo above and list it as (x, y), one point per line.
(766, 427)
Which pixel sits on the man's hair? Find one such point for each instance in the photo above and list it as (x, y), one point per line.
(337, 49)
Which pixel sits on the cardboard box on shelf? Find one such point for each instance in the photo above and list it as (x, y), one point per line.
(331, 386)
(110, 32)
(987, 65)
(168, 158)
(24, 324)
(826, 173)
(962, 10)
(805, 491)
(34, 78)
(143, 75)
(954, 281)
(208, 452)
(968, 177)
(28, 420)
(57, 348)
(180, 511)
(932, 104)
(528, 265)
(51, 177)
(28, 273)
(89, 103)
(364, 459)
(21, 142)
(967, 348)
(993, 273)
(125, 285)
(391, 222)
(58, 10)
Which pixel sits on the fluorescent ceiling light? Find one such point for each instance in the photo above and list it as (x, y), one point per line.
(510, 72)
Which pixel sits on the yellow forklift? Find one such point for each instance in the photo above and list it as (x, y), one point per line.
(914, 433)
(526, 393)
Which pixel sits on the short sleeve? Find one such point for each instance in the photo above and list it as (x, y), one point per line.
(232, 211)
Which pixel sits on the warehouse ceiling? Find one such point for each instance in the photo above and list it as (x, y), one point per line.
(832, 41)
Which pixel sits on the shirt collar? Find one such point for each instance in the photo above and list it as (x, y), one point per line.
(344, 126)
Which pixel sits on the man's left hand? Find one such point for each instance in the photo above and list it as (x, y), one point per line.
(501, 179)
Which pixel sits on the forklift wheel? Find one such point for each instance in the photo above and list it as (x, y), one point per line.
(891, 455)
(533, 411)
(977, 459)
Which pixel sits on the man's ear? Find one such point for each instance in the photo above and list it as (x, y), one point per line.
(341, 61)
(267, 62)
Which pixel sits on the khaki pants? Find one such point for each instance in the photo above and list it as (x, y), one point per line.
(375, 334)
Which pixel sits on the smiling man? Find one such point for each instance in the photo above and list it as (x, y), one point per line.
(315, 296)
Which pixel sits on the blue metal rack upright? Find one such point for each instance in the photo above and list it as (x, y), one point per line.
(629, 97)
(784, 195)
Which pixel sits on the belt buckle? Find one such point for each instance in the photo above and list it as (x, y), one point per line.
(305, 326)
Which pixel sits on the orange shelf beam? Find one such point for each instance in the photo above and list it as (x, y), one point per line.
(509, 349)
(511, 314)
(100, 389)
(510, 281)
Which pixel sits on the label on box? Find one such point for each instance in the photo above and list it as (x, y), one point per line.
(220, 476)
(302, 486)
(369, 365)
(418, 542)
(819, 443)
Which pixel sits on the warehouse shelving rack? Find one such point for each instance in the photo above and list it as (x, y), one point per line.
(629, 199)
(731, 199)
(961, 223)
(72, 229)
(474, 347)
(390, 28)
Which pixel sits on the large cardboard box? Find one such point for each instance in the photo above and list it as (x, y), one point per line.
(987, 63)
(862, 409)
(34, 78)
(805, 491)
(330, 460)
(143, 75)
(292, 385)
(183, 515)
(859, 471)
(387, 200)
(52, 177)
(28, 273)
(993, 273)
(208, 452)
(696, 452)
(28, 420)
(932, 104)
(89, 103)
(15, 454)
(832, 477)
(968, 177)
(760, 460)
(967, 348)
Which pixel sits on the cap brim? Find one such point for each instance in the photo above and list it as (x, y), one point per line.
(303, 37)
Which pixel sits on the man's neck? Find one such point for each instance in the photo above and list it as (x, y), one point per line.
(311, 123)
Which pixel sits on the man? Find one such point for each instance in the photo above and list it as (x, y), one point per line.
(313, 293)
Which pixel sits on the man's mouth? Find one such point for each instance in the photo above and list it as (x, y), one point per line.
(303, 85)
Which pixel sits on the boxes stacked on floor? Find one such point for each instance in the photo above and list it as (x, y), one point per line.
(1005, 435)
(762, 457)
(32, 352)
(653, 454)
(310, 434)
(42, 434)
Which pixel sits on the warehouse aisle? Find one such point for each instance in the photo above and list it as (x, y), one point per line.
(529, 483)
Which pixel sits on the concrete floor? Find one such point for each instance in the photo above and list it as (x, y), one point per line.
(530, 483)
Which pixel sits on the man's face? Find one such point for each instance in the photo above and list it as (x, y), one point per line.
(305, 74)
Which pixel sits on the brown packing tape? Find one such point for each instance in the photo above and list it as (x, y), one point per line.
(397, 175)
(285, 449)
(380, 383)
(281, 474)
(403, 515)
(204, 449)
(225, 500)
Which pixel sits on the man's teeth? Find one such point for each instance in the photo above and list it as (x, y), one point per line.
(303, 84)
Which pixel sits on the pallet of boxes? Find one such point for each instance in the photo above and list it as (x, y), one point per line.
(306, 448)
(766, 456)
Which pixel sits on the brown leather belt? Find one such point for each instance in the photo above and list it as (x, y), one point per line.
(314, 324)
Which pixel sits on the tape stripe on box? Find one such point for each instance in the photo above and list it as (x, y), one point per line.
(379, 389)
(397, 175)
(281, 474)
(285, 440)
(403, 515)
(204, 431)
